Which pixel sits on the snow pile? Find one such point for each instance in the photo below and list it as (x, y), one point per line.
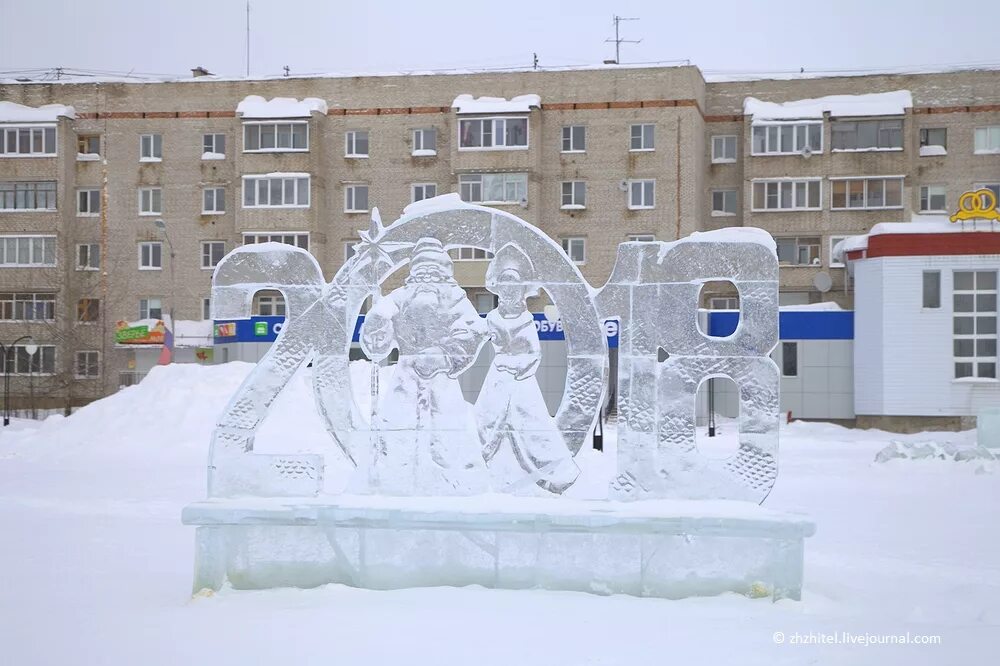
(11, 112)
(519, 104)
(932, 450)
(838, 106)
(255, 106)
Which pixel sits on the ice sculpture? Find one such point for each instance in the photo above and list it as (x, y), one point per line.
(437, 495)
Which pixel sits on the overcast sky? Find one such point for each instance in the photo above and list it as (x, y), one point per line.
(171, 36)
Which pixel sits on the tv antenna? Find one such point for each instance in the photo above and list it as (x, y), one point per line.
(619, 41)
(248, 39)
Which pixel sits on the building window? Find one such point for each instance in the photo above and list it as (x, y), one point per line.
(987, 140)
(213, 144)
(642, 137)
(206, 309)
(574, 195)
(27, 251)
(787, 138)
(641, 194)
(469, 254)
(150, 308)
(933, 199)
(992, 187)
(88, 310)
(27, 307)
(576, 249)
(22, 141)
(801, 251)
(284, 191)
(834, 240)
(88, 365)
(867, 193)
(723, 203)
(39, 195)
(88, 203)
(212, 253)
(150, 256)
(213, 201)
(494, 187)
(789, 359)
(723, 148)
(288, 238)
(269, 304)
(932, 290)
(787, 194)
(975, 324)
(19, 362)
(150, 201)
(356, 143)
(348, 250)
(355, 198)
(574, 139)
(934, 136)
(724, 303)
(492, 133)
(88, 257)
(88, 144)
(867, 135)
(271, 137)
(151, 148)
(424, 141)
(641, 238)
(421, 191)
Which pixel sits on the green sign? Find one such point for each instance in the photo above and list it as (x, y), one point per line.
(260, 328)
(131, 333)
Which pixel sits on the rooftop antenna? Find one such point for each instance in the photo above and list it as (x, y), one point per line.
(619, 41)
(534, 61)
(248, 39)
(287, 69)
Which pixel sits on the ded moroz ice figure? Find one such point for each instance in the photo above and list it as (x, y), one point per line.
(424, 426)
(510, 409)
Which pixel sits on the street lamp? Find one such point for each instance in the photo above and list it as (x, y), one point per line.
(7, 350)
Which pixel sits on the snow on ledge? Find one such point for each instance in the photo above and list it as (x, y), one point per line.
(255, 106)
(519, 104)
(88, 157)
(213, 156)
(10, 112)
(931, 151)
(838, 106)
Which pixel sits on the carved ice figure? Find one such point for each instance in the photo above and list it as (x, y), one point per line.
(510, 407)
(424, 429)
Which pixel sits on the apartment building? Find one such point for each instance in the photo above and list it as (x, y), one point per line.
(594, 157)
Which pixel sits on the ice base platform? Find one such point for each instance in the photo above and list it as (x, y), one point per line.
(652, 548)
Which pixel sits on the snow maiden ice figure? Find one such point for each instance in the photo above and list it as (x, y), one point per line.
(425, 430)
(510, 408)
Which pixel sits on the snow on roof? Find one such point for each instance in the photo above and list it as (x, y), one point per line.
(193, 333)
(519, 104)
(875, 104)
(255, 106)
(920, 224)
(828, 306)
(11, 112)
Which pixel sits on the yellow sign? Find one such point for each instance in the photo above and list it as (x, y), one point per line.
(977, 205)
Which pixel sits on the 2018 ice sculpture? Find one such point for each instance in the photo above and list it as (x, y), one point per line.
(444, 492)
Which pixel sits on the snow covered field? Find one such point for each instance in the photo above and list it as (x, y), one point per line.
(96, 567)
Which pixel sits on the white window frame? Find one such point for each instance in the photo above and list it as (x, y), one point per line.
(215, 195)
(209, 249)
(45, 355)
(293, 238)
(815, 261)
(28, 241)
(351, 143)
(977, 315)
(93, 195)
(351, 197)
(569, 246)
(49, 134)
(250, 126)
(724, 303)
(273, 299)
(925, 194)
(573, 195)
(210, 143)
(82, 141)
(720, 141)
(866, 180)
(468, 181)
(643, 184)
(724, 191)
(419, 148)
(569, 139)
(775, 136)
(32, 302)
(496, 122)
(146, 203)
(422, 188)
(146, 308)
(643, 148)
(293, 180)
(923, 132)
(22, 189)
(641, 238)
(795, 194)
(89, 256)
(878, 130)
(467, 253)
(992, 134)
(148, 147)
(832, 244)
(993, 187)
(95, 363)
(147, 255)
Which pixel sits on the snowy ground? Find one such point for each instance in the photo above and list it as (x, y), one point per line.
(96, 567)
